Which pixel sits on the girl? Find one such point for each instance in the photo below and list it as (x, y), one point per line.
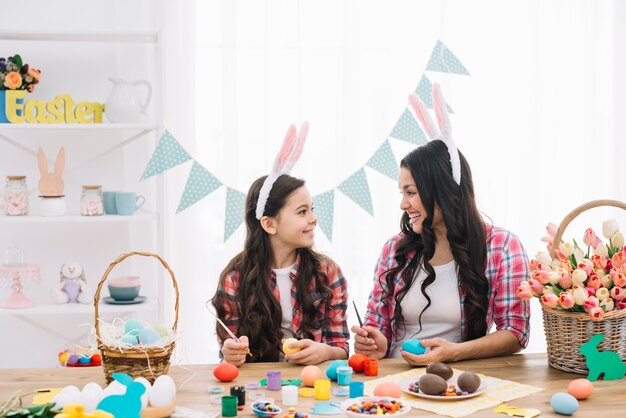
(278, 286)
(447, 277)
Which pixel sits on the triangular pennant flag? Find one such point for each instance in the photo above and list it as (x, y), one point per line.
(444, 61)
(408, 129)
(200, 183)
(324, 205)
(235, 201)
(168, 153)
(384, 162)
(357, 189)
(424, 91)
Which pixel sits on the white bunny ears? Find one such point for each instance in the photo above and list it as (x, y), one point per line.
(283, 163)
(445, 135)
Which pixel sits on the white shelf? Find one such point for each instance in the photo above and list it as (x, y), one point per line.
(146, 216)
(78, 308)
(54, 36)
(79, 126)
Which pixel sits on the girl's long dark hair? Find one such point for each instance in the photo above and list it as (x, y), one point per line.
(259, 310)
(432, 172)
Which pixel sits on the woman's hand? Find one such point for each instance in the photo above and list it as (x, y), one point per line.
(310, 352)
(369, 341)
(441, 351)
(234, 352)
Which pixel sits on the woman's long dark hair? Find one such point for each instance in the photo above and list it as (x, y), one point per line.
(260, 311)
(432, 172)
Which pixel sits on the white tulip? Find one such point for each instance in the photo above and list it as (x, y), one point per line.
(603, 293)
(543, 257)
(618, 240)
(609, 228)
(601, 250)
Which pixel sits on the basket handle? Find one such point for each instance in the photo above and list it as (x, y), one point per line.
(573, 214)
(121, 258)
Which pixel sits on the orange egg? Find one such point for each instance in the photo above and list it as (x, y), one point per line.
(388, 389)
(226, 372)
(357, 362)
(310, 374)
(580, 388)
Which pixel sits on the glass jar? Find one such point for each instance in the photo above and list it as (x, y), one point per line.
(91, 201)
(16, 196)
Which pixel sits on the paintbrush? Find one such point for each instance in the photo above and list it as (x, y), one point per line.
(232, 335)
(359, 317)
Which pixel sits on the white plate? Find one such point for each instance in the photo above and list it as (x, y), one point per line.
(349, 402)
(404, 385)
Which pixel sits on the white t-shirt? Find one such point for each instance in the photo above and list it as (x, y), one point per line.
(442, 319)
(283, 280)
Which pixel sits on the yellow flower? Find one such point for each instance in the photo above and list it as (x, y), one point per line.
(13, 80)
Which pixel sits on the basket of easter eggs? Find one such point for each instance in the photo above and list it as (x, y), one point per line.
(149, 362)
(582, 293)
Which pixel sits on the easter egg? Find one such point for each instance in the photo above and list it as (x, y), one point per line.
(148, 336)
(63, 357)
(440, 369)
(61, 400)
(468, 382)
(357, 362)
(564, 403)
(84, 360)
(144, 397)
(388, 389)
(73, 359)
(226, 372)
(289, 350)
(432, 384)
(128, 340)
(310, 374)
(331, 370)
(163, 392)
(132, 325)
(92, 387)
(161, 330)
(71, 391)
(580, 388)
(413, 346)
(89, 400)
(96, 359)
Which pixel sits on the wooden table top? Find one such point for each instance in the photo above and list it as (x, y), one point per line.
(607, 400)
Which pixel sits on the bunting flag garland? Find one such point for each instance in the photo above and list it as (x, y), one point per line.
(201, 182)
(167, 154)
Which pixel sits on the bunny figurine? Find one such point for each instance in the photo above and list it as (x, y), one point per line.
(127, 405)
(598, 362)
(51, 184)
(72, 286)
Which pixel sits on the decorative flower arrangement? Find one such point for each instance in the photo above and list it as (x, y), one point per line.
(575, 281)
(15, 75)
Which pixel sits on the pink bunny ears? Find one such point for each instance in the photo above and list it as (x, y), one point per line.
(283, 163)
(444, 132)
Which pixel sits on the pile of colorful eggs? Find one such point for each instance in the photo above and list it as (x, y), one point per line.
(293, 414)
(68, 358)
(376, 407)
(265, 409)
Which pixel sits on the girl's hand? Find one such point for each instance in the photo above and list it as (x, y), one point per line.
(369, 341)
(234, 352)
(310, 353)
(441, 351)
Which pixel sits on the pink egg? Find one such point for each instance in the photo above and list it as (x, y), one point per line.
(580, 388)
(310, 374)
(388, 389)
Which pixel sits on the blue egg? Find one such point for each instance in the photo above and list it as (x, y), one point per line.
(84, 360)
(413, 346)
(148, 336)
(128, 340)
(564, 403)
(132, 324)
(331, 370)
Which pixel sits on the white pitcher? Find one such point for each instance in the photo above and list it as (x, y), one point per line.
(124, 104)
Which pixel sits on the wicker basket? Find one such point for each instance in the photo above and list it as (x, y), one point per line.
(149, 363)
(567, 331)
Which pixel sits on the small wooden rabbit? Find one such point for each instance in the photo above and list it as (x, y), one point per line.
(598, 362)
(51, 184)
(127, 405)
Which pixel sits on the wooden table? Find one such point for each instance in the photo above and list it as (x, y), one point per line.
(608, 399)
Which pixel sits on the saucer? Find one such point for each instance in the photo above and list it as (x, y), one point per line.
(110, 300)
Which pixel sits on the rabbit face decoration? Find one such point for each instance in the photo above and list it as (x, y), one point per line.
(72, 285)
(599, 362)
(51, 184)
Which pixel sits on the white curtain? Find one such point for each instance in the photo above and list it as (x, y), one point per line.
(535, 118)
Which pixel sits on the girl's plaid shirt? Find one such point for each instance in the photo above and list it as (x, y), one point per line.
(331, 325)
(507, 267)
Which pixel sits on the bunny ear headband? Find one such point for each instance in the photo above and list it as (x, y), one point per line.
(283, 163)
(445, 135)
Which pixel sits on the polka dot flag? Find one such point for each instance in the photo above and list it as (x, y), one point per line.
(169, 153)
(200, 183)
(324, 205)
(384, 162)
(357, 189)
(408, 129)
(444, 61)
(235, 201)
(424, 91)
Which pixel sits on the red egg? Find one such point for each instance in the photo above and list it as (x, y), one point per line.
(226, 372)
(357, 362)
(580, 388)
(96, 360)
(388, 389)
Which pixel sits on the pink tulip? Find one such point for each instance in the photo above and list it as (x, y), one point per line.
(541, 276)
(566, 300)
(591, 302)
(622, 269)
(617, 293)
(551, 230)
(593, 281)
(590, 238)
(619, 280)
(536, 286)
(524, 291)
(620, 304)
(596, 313)
(550, 300)
(536, 265)
(590, 290)
(565, 281)
(565, 264)
(586, 267)
(618, 259)
(598, 261)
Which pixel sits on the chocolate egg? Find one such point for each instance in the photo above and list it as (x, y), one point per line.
(468, 382)
(440, 369)
(431, 384)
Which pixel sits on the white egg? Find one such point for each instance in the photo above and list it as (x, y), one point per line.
(71, 391)
(92, 387)
(61, 400)
(163, 392)
(144, 397)
(114, 388)
(89, 400)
